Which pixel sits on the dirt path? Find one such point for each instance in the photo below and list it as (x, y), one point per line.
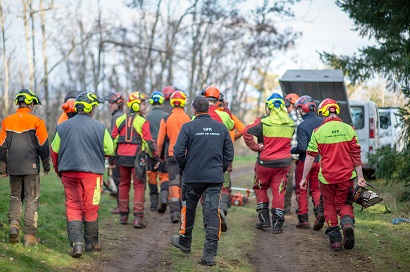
(129, 249)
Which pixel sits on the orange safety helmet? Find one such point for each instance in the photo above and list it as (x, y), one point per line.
(212, 92)
(168, 91)
(178, 98)
(291, 99)
(135, 99)
(327, 107)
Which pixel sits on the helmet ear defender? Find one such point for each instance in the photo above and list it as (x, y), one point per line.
(135, 107)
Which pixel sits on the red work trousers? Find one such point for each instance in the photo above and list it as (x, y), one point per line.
(139, 191)
(82, 195)
(337, 201)
(312, 186)
(273, 178)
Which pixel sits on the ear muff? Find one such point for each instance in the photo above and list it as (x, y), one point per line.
(135, 107)
(157, 97)
(287, 103)
(85, 107)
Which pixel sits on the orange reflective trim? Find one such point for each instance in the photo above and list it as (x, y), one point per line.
(182, 230)
(174, 192)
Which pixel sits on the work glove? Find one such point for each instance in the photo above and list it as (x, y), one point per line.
(3, 168)
(46, 165)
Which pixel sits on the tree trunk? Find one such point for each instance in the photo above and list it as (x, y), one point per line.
(45, 64)
(27, 40)
(6, 66)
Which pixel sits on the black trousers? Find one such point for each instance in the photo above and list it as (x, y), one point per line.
(25, 188)
(191, 194)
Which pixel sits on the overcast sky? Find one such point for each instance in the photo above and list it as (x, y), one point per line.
(325, 27)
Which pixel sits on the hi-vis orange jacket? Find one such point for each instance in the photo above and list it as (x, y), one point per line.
(169, 129)
(24, 141)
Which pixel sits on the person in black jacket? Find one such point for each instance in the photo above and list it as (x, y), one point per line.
(202, 144)
(306, 106)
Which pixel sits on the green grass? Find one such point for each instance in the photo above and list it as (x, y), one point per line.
(385, 244)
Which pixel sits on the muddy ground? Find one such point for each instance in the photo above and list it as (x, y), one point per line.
(127, 249)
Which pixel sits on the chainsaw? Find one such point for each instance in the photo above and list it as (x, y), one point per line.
(365, 197)
(239, 199)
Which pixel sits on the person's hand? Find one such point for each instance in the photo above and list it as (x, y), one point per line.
(261, 146)
(303, 184)
(361, 182)
(4, 175)
(156, 165)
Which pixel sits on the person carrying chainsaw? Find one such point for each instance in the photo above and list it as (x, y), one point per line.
(273, 133)
(24, 142)
(78, 152)
(306, 107)
(133, 147)
(116, 105)
(203, 151)
(235, 134)
(212, 94)
(169, 129)
(68, 106)
(339, 150)
(154, 117)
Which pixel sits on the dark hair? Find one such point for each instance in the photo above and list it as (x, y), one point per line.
(200, 104)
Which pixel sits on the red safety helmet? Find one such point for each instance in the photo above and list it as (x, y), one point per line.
(327, 107)
(168, 91)
(212, 92)
(306, 103)
(291, 99)
(178, 98)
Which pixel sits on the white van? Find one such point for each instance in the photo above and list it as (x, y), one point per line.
(390, 130)
(365, 119)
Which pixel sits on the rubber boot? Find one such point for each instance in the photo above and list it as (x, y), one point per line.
(208, 260)
(163, 197)
(14, 235)
(303, 221)
(347, 224)
(335, 238)
(154, 202)
(320, 216)
(263, 215)
(138, 220)
(278, 219)
(75, 235)
(175, 210)
(91, 236)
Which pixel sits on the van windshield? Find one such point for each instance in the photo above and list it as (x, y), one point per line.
(357, 113)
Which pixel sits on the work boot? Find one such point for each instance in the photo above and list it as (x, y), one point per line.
(116, 210)
(91, 236)
(303, 221)
(123, 219)
(175, 243)
(77, 250)
(76, 237)
(138, 222)
(347, 224)
(163, 197)
(175, 210)
(154, 202)
(30, 240)
(208, 260)
(335, 238)
(263, 215)
(14, 234)
(278, 219)
(320, 216)
(224, 224)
